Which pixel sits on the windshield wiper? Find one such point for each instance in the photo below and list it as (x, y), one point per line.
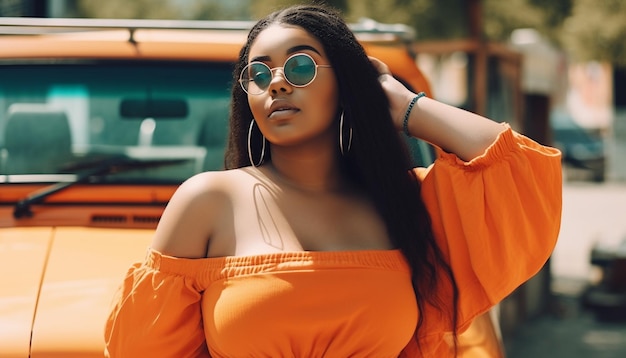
(116, 164)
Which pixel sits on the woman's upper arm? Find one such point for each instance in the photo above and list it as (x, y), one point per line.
(156, 311)
(191, 216)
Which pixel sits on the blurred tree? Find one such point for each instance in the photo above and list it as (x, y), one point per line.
(587, 29)
(215, 10)
(425, 16)
(163, 9)
(431, 19)
(136, 9)
(596, 30)
(260, 8)
(501, 18)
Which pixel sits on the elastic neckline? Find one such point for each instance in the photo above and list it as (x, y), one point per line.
(210, 269)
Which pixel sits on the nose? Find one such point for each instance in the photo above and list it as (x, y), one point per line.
(279, 83)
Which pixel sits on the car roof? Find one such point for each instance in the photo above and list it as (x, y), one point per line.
(149, 39)
(115, 44)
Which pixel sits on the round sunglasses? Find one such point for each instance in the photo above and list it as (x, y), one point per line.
(299, 70)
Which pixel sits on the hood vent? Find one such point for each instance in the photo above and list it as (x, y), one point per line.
(145, 219)
(112, 219)
(109, 219)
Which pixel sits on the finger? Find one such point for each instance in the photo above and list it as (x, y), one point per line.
(380, 66)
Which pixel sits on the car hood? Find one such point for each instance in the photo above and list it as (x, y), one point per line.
(58, 284)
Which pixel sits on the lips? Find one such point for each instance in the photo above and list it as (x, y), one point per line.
(282, 108)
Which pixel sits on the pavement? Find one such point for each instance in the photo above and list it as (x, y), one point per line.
(592, 214)
(569, 331)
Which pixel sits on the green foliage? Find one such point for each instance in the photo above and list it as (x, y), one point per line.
(163, 9)
(597, 31)
(216, 10)
(442, 19)
(587, 29)
(555, 11)
(260, 8)
(502, 17)
(136, 9)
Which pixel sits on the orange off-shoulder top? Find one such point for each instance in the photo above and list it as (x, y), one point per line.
(496, 219)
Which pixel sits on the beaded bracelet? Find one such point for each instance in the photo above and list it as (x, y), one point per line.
(405, 122)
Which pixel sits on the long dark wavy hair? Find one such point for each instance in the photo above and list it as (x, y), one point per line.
(378, 161)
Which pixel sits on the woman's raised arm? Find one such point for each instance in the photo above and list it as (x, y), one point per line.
(450, 128)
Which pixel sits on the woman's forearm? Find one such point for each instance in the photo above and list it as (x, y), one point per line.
(452, 129)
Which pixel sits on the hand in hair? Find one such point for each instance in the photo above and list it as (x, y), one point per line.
(399, 96)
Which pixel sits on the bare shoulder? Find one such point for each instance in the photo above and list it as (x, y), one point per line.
(194, 213)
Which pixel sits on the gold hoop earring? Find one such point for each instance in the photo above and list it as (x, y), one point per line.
(344, 151)
(250, 146)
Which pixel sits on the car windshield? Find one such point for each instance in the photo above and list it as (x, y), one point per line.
(64, 118)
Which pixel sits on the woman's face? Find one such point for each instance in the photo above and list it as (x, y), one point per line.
(288, 115)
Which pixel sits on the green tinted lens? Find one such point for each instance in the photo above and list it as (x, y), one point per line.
(300, 70)
(257, 77)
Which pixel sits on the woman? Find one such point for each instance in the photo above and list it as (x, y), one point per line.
(320, 240)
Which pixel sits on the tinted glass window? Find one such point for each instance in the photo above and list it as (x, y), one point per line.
(86, 113)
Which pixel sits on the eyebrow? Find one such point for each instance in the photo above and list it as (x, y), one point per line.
(290, 51)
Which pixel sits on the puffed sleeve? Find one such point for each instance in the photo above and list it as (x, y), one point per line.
(157, 312)
(496, 220)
